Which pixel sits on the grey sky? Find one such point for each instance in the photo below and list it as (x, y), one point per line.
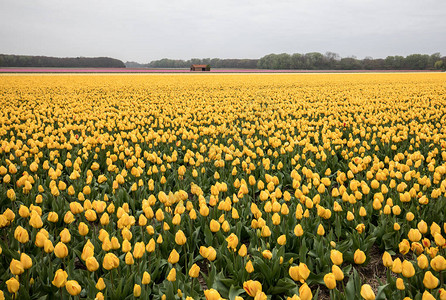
(137, 30)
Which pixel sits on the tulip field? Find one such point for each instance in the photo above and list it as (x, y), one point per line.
(235, 186)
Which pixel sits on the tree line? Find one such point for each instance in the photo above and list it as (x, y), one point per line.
(308, 61)
(332, 61)
(59, 62)
(213, 62)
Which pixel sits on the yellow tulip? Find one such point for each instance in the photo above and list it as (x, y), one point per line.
(430, 281)
(136, 290)
(212, 295)
(73, 287)
(100, 285)
(110, 261)
(172, 276)
(174, 257)
(336, 257)
(13, 285)
(60, 278)
(61, 250)
(16, 267)
(400, 284)
(194, 271)
(367, 292)
(305, 292)
(408, 269)
(330, 280)
(252, 287)
(26, 261)
(180, 238)
(359, 257)
(438, 263)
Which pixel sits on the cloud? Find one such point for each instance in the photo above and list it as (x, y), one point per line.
(147, 30)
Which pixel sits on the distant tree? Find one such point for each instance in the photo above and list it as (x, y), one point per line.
(439, 65)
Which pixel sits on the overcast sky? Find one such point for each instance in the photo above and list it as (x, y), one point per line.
(142, 31)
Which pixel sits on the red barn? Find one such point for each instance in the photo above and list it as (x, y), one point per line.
(200, 68)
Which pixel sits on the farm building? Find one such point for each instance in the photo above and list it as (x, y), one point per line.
(200, 68)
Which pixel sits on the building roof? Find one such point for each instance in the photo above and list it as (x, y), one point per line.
(199, 66)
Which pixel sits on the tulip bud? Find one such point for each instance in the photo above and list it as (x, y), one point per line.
(16, 267)
(172, 276)
(60, 278)
(367, 292)
(249, 267)
(100, 285)
(214, 226)
(73, 288)
(336, 257)
(180, 238)
(281, 240)
(387, 260)
(359, 257)
(146, 278)
(194, 271)
(430, 281)
(438, 263)
(61, 250)
(305, 292)
(136, 290)
(110, 261)
(13, 285)
(407, 269)
(400, 284)
(337, 272)
(26, 261)
(92, 264)
(330, 281)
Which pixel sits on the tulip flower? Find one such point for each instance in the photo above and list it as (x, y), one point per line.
(172, 276)
(26, 261)
(407, 269)
(337, 272)
(110, 261)
(180, 238)
(136, 290)
(212, 294)
(359, 257)
(174, 257)
(100, 285)
(214, 226)
(139, 250)
(13, 285)
(73, 287)
(92, 264)
(249, 267)
(61, 250)
(330, 281)
(16, 267)
(252, 287)
(194, 271)
(60, 278)
(336, 257)
(232, 241)
(305, 292)
(430, 281)
(21, 235)
(438, 263)
(400, 284)
(367, 292)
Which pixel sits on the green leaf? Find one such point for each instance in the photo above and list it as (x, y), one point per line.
(381, 292)
(234, 292)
